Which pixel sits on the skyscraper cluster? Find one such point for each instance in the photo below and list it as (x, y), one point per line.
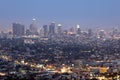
(52, 30)
(48, 30)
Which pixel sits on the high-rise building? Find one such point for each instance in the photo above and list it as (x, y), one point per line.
(52, 28)
(41, 32)
(45, 30)
(59, 29)
(18, 29)
(33, 28)
(78, 30)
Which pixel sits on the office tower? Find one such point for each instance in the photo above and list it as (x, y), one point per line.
(52, 28)
(18, 29)
(45, 30)
(2, 34)
(59, 29)
(78, 30)
(33, 28)
(41, 32)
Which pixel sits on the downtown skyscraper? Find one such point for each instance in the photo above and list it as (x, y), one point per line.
(18, 29)
(52, 28)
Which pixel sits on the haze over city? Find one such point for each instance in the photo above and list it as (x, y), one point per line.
(88, 13)
(59, 40)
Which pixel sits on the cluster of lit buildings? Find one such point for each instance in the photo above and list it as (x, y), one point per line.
(50, 31)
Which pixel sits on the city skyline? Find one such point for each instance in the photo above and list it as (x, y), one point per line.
(59, 40)
(89, 14)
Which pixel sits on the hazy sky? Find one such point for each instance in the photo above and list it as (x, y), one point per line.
(87, 13)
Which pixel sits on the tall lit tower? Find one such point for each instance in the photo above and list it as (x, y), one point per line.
(52, 28)
(45, 30)
(78, 29)
(33, 28)
(59, 29)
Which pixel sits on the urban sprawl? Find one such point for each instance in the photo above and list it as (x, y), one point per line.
(54, 53)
